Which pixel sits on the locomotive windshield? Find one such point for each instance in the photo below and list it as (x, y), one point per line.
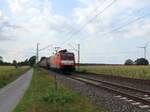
(67, 56)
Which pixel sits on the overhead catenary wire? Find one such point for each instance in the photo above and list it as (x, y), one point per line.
(89, 15)
(122, 26)
(45, 47)
(100, 12)
(113, 30)
(95, 16)
(131, 22)
(88, 23)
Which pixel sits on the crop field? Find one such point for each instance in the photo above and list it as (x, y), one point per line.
(10, 73)
(42, 97)
(127, 71)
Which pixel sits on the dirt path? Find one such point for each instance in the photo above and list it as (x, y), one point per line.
(13, 92)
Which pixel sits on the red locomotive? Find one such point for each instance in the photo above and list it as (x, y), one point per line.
(62, 60)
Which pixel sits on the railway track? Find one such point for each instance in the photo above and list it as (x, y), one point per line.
(129, 94)
(116, 77)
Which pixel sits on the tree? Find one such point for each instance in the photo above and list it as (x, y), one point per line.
(1, 58)
(141, 61)
(1, 62)
(129, 62)
(24, 63)
(32, 60)
(14, 63)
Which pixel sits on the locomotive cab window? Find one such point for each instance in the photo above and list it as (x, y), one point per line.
(67, 56)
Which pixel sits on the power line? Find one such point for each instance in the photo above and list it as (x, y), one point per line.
(113, 30)
(46, 47)
(129, 23)
(139, 18)
(120, 27)
(83, 26)
(38, 50)
(87, 16)
(108, 6)
(138, 11)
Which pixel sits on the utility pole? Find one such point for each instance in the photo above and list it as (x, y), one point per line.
(37, 51)
(145, 51)
(78, 55)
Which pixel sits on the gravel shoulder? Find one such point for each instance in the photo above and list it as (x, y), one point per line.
(100, 97)
(11, 94)
(139, 84)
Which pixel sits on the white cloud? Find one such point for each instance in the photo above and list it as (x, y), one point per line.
(37, 22)
(99, 37)
(111, 17)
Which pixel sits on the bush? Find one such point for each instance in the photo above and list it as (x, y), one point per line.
(59, 97)
(129, 62)
(141, 61)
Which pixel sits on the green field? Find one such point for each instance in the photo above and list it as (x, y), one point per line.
(127, 71)
(42, 97)
(10, 73)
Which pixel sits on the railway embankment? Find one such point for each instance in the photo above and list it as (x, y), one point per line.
(112, 99)
(48, 95)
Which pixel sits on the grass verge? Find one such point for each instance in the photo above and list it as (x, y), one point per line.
(127, 71)
(10, 73)
(41, 97)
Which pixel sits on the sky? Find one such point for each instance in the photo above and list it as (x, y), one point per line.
(108, 31)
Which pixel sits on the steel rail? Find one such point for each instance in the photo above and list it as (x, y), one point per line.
(133, 97)
(118, 85)
(144, 81)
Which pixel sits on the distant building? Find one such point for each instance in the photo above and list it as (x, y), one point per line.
(1, 58)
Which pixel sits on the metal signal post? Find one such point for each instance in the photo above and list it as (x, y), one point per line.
(37, 51)
(78, 55)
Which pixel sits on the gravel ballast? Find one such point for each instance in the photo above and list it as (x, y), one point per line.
(100, 97)
(126, 82)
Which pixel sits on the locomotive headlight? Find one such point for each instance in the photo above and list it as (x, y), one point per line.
(67, 62)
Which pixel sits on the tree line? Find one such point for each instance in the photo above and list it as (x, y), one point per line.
(139, 61)
(28, 62)
(32, 60)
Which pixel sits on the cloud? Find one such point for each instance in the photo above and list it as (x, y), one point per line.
(6, 28)
(32, 18)
(120, 13)
(98, 34)
(33, 21)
